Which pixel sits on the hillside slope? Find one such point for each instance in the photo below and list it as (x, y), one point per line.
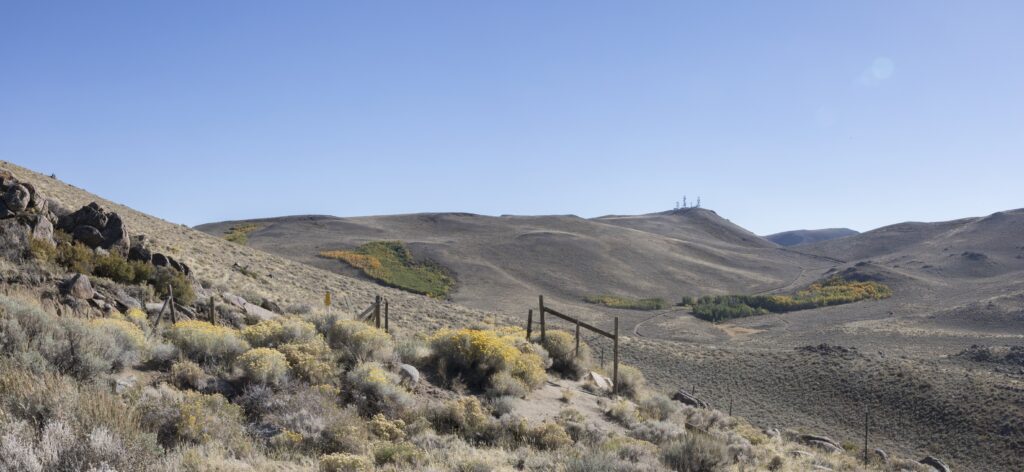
(504, 262)
(808, 236)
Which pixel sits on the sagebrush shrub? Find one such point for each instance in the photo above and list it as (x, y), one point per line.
(360, 342)
(561, 347)
(273, 333)
(656, 406)
(202, 419)
(694, 453)
(631, 381)
(165, 276)
(207, 343)
(127, 338)
(312, 360)
(344, 462)
(263, 365)
(375, 390)
(186, 374)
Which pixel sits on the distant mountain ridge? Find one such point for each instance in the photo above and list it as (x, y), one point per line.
(808, 236)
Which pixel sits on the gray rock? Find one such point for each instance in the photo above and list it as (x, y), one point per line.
(881, 455)
(115, 235)
(140, 253)
(88, 235)
(124, 384)
(824, 446)
(17, 198)
(409, 375)
(935, 463)
(809, 438)
(686, 398)
(42, 229)
(78, 286)
(160, 260)
(258, 313)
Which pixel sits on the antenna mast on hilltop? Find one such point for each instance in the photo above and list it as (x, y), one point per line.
(684, 201)
(698, 202)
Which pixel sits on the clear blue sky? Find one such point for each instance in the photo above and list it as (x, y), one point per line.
(780, 115)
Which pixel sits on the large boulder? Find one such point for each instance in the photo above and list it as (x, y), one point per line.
(140, 253)
(79, 287)
(88, 235)
(17, 198)
(115, 235)
(408, 374)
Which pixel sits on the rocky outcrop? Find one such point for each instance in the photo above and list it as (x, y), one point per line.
(97, 228)
(821, 442)
(20, 200)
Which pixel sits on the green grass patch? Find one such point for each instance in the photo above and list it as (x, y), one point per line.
(240, 233)
(834, 291)
(627, 303)
(391, 263)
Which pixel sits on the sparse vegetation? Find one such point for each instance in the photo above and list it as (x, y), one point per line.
(834, 291)
(239, 234)
(392, 264)
(627, 303)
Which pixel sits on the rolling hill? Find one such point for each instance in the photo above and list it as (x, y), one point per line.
(505, 262)
(808, 236)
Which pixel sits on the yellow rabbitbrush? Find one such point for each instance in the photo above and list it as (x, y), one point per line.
(478, 356)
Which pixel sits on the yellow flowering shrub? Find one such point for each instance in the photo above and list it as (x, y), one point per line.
(287, 440)
(204, 419)
(207, 343)
(311, 360)
(478, 355)
(272, 333)
(385, 429)
(360, 342)
(374, 390)
(129, 340)
(263, 365)
(343, 462)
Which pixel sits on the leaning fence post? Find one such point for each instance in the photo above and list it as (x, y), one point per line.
(174, 313)
(529, 323)
(543, 333)
(615, 355)
(577, 337)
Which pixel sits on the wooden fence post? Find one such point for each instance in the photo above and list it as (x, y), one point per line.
(867, 410)
(376, 311)
(387, 325)
(543, 334)
(577, 337)
(615, 355)
(529, 323)
(174, 313)
(213, 311)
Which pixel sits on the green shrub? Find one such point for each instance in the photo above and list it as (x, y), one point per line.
(166, 276)
(360, 342)
(76, 257)
(202, 419)
(343, 462)
(263, 365)
(549, 436)
(206, 343)
(561, 347)
(695, 453)
(627, 303)
(833, 291)
(464, 416)
(40, 250)
(240, 233)
(391, 263)
(114, 267)
(477, 356)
